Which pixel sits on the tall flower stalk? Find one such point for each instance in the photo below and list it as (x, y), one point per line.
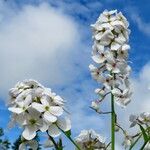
(112, 122)
(110, 53)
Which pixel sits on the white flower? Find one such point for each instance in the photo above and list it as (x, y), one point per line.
(122, 97)
(34, 108)
(21, 106)
(97, 48)
(33, 144)
(89, 139)
(106, 38)
(107, 16)
(62, 123)
(95, 105)
(95, 72)
(107, 81)
(58, 100)
(50, 112)
(115, 45)
(145, 118)
(33, 124)
(100, 57)
(121, 17)
(110, 53)
(21, 86)
(127, 141)
(101, 92)
(113, 65)
(125, 69)
(123, 52)
(147, 147)
(133, 120)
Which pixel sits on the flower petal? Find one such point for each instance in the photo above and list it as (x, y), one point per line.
(64, 124)
(49, 117)
(28, 100)
(29, 132)
(56, 110)
(53, 131)
(38, 107)
(33, 144)
(116, 92)
(22, 146)
(15, 110)
(44, 126)
(44, 101)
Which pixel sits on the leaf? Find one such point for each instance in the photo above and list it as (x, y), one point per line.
(68, 133)
(148, 130)
(60, 145)
(135, 142)
(144, 133)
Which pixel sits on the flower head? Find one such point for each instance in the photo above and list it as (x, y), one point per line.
(89, 139)
(128, 141)
(110, 53)
(143, 119)
(122, 98)
(33, 144)
(36, 108)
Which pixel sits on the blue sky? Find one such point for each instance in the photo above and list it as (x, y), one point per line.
(35, 45)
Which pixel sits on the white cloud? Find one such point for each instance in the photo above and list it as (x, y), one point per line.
(36, 42)
(142, 25)
(41, 42)
(85, 9)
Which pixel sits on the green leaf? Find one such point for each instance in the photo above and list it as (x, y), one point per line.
(144, 133)
(60, 145)
(68, 133)
(135, 142)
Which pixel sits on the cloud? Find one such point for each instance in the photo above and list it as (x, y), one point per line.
(86, 10)
(44, 43)
(37, 42)
(142, 25)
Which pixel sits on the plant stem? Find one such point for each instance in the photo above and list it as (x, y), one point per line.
(143, 145)
(69, 137)
(101, 112)
(113, 120)
(52, 139)
(135, 142)
(73, 142)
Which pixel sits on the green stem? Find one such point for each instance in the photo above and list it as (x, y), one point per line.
(113, 120)
(52, 139)
(135, 142)
(73, 142)
(69, 137)
(143, 145)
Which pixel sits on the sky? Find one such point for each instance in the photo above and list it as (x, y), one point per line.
(50, 41)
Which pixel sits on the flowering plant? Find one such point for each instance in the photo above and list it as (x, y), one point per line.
(37, 109)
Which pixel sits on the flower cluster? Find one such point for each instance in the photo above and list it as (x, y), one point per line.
(142, 119)
(128, 140)
(36, 108)
(89, 139)
(110, 53)
(33, 144)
